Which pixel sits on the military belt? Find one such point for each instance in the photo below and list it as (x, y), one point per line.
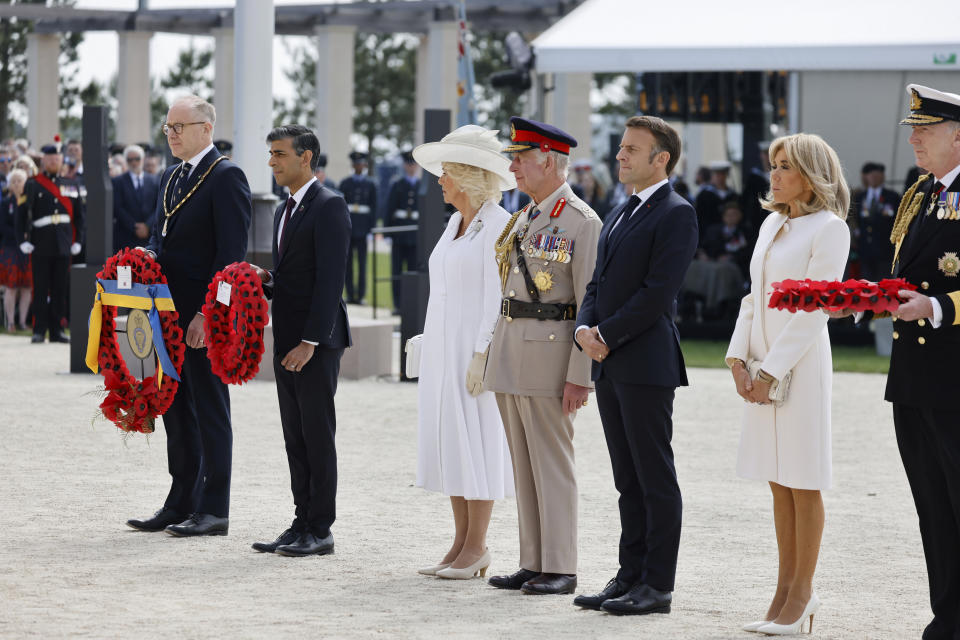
(510, 308)
(403, 214)
(359, 208)
(57, 218)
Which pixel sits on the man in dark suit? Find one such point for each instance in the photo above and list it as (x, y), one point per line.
(311, 239)
(403, 208)
(50, 226)
(134, 201)
(872, 211)
(926, 346)
(202, 221)
(360, 193)
(626, 326)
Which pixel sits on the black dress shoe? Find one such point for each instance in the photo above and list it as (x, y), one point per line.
(307, 544)
(514, 580)
(614, 589)
(37, 338)
(640, 600)
(200, 524)
(287, 537)
(550, 584)
(160, 520)
(59, 337)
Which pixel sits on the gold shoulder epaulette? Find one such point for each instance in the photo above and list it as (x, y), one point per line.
(909, 207)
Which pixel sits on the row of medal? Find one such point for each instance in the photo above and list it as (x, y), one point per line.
(948, 206)
(546, 247)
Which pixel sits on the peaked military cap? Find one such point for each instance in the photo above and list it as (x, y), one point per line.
(929, 106)
(358, 156)
(223, 146)
(49, 149)
(529, 134)
(321, 159)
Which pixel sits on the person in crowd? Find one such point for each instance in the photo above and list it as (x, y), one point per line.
(310, 332)
(756, 185)
(926, 345)
(403, 208)
(135, 196)
(713, 195)
(320, 173)
(50, 226)
(116, 165)
(201, 225)
(153, 163)
(360, 192)
(625, 326)
(716, 279)
(15, 275)
(873, 209)
(462, 449)
(729, 241)
(225, 147)
(26, 164)
(6, 164)
(789, 446)
(74, 153)
(594, 193)
(546, 256)
(514, 200)
(702, 178)
(913, 174)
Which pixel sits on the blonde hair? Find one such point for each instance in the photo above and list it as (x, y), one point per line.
(819, 166)
(27, 165)
(479, 184)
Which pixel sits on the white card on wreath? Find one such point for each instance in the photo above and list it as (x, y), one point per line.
(223, 293)
(124, 277)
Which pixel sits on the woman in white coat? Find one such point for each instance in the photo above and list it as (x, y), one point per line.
(805, 236)
(462, 448)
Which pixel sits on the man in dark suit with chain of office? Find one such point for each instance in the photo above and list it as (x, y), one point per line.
(360, 193)
(626, 326)
(311, 239)
(403, 208)
(926, 347)
(50, 227)
(134, 201)
(202, 221)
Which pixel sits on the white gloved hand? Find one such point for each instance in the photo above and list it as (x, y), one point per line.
(146, 251)
(475, 373)
(26, 247)
(75, 248)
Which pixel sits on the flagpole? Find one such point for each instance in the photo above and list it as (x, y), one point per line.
(466, 105)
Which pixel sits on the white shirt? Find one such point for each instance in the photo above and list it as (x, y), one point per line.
(137, 179)
(644, 196)
(195, 160)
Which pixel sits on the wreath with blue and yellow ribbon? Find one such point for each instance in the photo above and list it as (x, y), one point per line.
(131, 404)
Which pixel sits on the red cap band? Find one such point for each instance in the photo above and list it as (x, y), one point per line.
(545, 143)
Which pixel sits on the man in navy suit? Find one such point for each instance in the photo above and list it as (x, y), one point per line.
(311, 241)
(134, 201)
(626, 326)
(202, 220)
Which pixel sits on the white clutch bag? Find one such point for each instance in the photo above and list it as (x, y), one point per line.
(412, 350)
(778, 390)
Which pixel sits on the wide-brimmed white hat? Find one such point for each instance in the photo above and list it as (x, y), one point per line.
(470, 144)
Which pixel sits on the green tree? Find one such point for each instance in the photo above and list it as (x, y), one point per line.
(494, 106)
(191, 73)
(302, 73)
(385, 89)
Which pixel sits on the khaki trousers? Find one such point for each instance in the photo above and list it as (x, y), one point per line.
(540, 437)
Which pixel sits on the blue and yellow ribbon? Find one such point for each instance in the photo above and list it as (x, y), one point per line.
(152, 298)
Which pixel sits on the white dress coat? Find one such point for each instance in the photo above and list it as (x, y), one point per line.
(790, 445)
(462, 446)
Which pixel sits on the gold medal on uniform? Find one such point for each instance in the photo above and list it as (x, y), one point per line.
(949, 264)
(543, 281)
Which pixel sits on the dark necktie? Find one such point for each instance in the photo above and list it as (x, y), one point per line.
(291, 203)
(624, 217)
(181, 181)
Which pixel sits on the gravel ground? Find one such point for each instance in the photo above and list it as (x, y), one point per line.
(69, 567)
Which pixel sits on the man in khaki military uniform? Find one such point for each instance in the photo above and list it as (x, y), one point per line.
(539, 376)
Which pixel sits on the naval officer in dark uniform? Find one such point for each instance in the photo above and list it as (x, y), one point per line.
(50, 226)
(361, 195)
(926, 346)
(403, 208)
(201, 225)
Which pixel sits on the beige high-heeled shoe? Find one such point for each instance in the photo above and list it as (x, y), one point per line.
(478, 567)
(432, 571)
(774, 629)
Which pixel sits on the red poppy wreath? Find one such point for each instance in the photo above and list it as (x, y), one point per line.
(850, 295)
(131, 404)
(234, 332)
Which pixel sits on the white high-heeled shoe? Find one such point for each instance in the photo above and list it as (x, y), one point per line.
(774, 629)
(478, 567)
(756, 624)
(432, 571)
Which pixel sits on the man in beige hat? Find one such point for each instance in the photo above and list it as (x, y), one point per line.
(546, 255)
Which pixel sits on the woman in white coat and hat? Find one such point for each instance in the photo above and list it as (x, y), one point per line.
(788, 446)
(462, 448)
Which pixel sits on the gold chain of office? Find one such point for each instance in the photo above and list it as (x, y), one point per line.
(166, 212)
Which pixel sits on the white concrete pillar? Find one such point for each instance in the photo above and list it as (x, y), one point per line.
(133, 87)
(223, 49)
(253, 91)
(43, 96)
(335, 45)
(436, 72)
(568, 107)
